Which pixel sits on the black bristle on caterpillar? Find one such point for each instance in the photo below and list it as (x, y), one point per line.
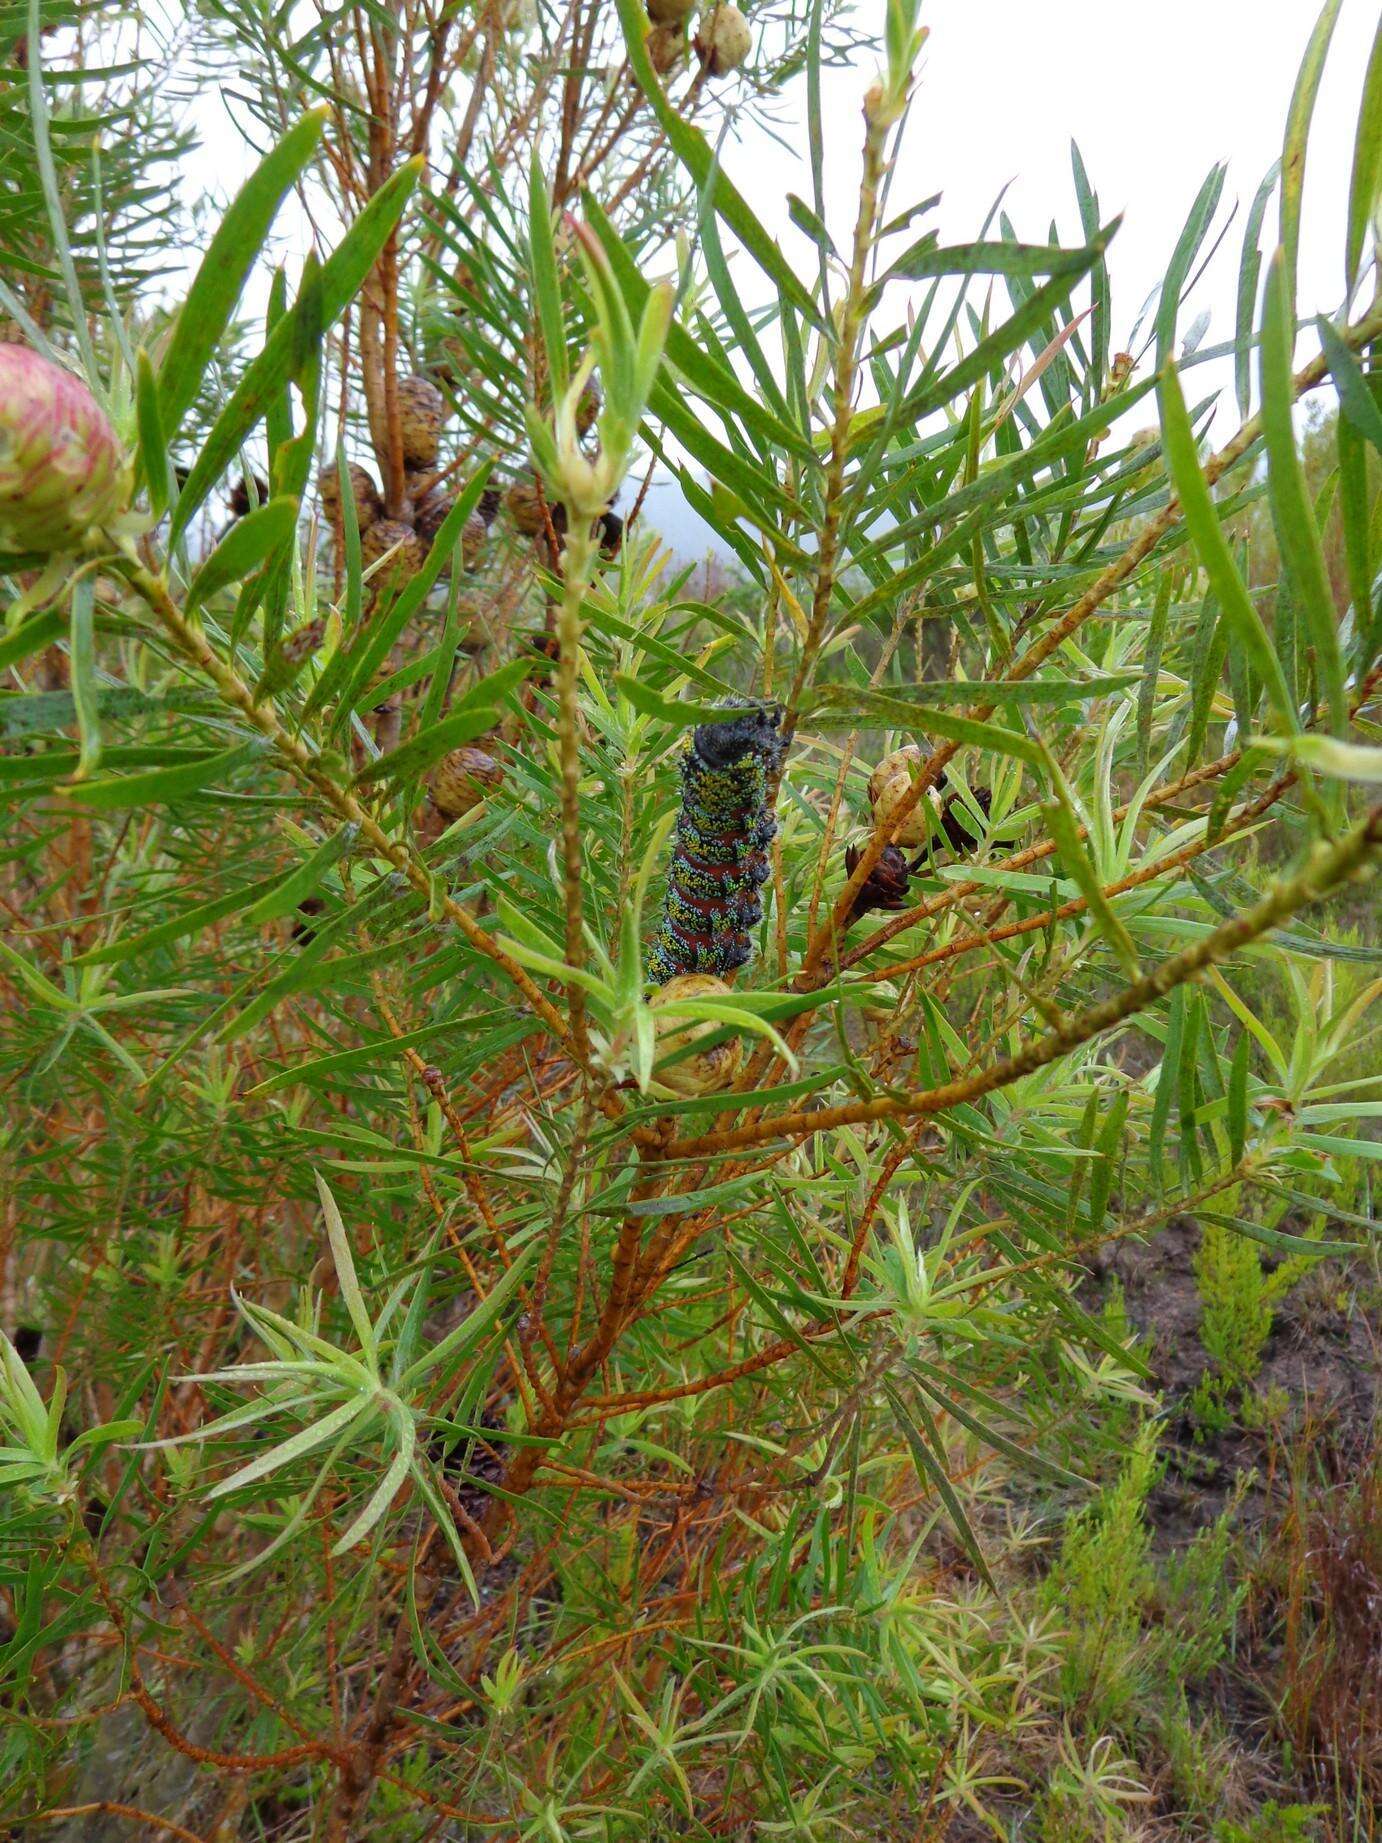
(720, 846)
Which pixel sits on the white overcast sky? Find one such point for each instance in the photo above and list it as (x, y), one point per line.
(1154, 96)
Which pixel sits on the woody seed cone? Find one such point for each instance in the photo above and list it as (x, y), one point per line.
(707, 1071)
(890, 784)
(461, 780)
(380, 538)
(421, 412)
(368, 505)
(723, 39)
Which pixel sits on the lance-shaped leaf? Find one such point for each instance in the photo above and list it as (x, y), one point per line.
(224, 268)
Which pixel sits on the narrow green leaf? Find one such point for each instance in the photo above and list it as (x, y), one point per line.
(244, 547)
(1165, 1085)
(1202, 522)
(31, 636)
(1292, 513)
(82, 661)
(1340, 761)
(543, 266)
(1297, 133)
(185, 922)
(1151, 669)
(383, 1494)
(1354, 514)
(1064, 828)
(289, 891)
(1277, 1239)
(305, 1441)
(340, 280)
(153, 448)
(1023, 1457)
(223, 270)
(1365, 182)
(930, 1464)
(1249, 271)
(422, 750)
(160, 785)
(472, 1330)
(1238, 1098)
(848, 706)
(1356, 401)
(344, 1262)
(1178, 269)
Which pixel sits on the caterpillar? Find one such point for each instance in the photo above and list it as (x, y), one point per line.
(720, 846)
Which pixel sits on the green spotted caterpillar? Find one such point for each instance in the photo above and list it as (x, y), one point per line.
(720, 846)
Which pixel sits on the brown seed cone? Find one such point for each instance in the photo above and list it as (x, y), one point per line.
(588, 407)
(670, 12)
(885, 887)
(421, 413)
(524, 506)
(708, 1071)
(723, 39)
(429, 511)
(241, 504)
(368, 505)
(666, 47)
(474, 534)
(381, 537)
(462, 779)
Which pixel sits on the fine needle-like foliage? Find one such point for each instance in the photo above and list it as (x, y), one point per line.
(470, 1373)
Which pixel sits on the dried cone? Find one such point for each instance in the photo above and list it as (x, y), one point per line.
(368, 505)
(61, 469)
(885, 887)
(666, 47)
(474, 533)
(421, 413)
(378, 540)
(723, 40)
(430, 511)
(670, 12)
(241, 504)
(707, 1071)
(890, 784)
(524, 506)
(462, 779)
(588, 407)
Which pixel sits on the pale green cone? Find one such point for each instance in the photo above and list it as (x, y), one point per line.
(61, 468)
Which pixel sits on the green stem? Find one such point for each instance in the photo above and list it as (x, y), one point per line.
(853, 322)
(577, 562)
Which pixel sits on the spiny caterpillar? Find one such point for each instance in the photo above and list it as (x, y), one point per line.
(719, 849)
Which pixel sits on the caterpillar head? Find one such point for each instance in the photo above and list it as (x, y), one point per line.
(756, 732)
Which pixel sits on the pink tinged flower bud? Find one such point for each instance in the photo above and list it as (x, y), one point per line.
(61, 468)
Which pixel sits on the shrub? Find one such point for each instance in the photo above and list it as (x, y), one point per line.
(457, 1395)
